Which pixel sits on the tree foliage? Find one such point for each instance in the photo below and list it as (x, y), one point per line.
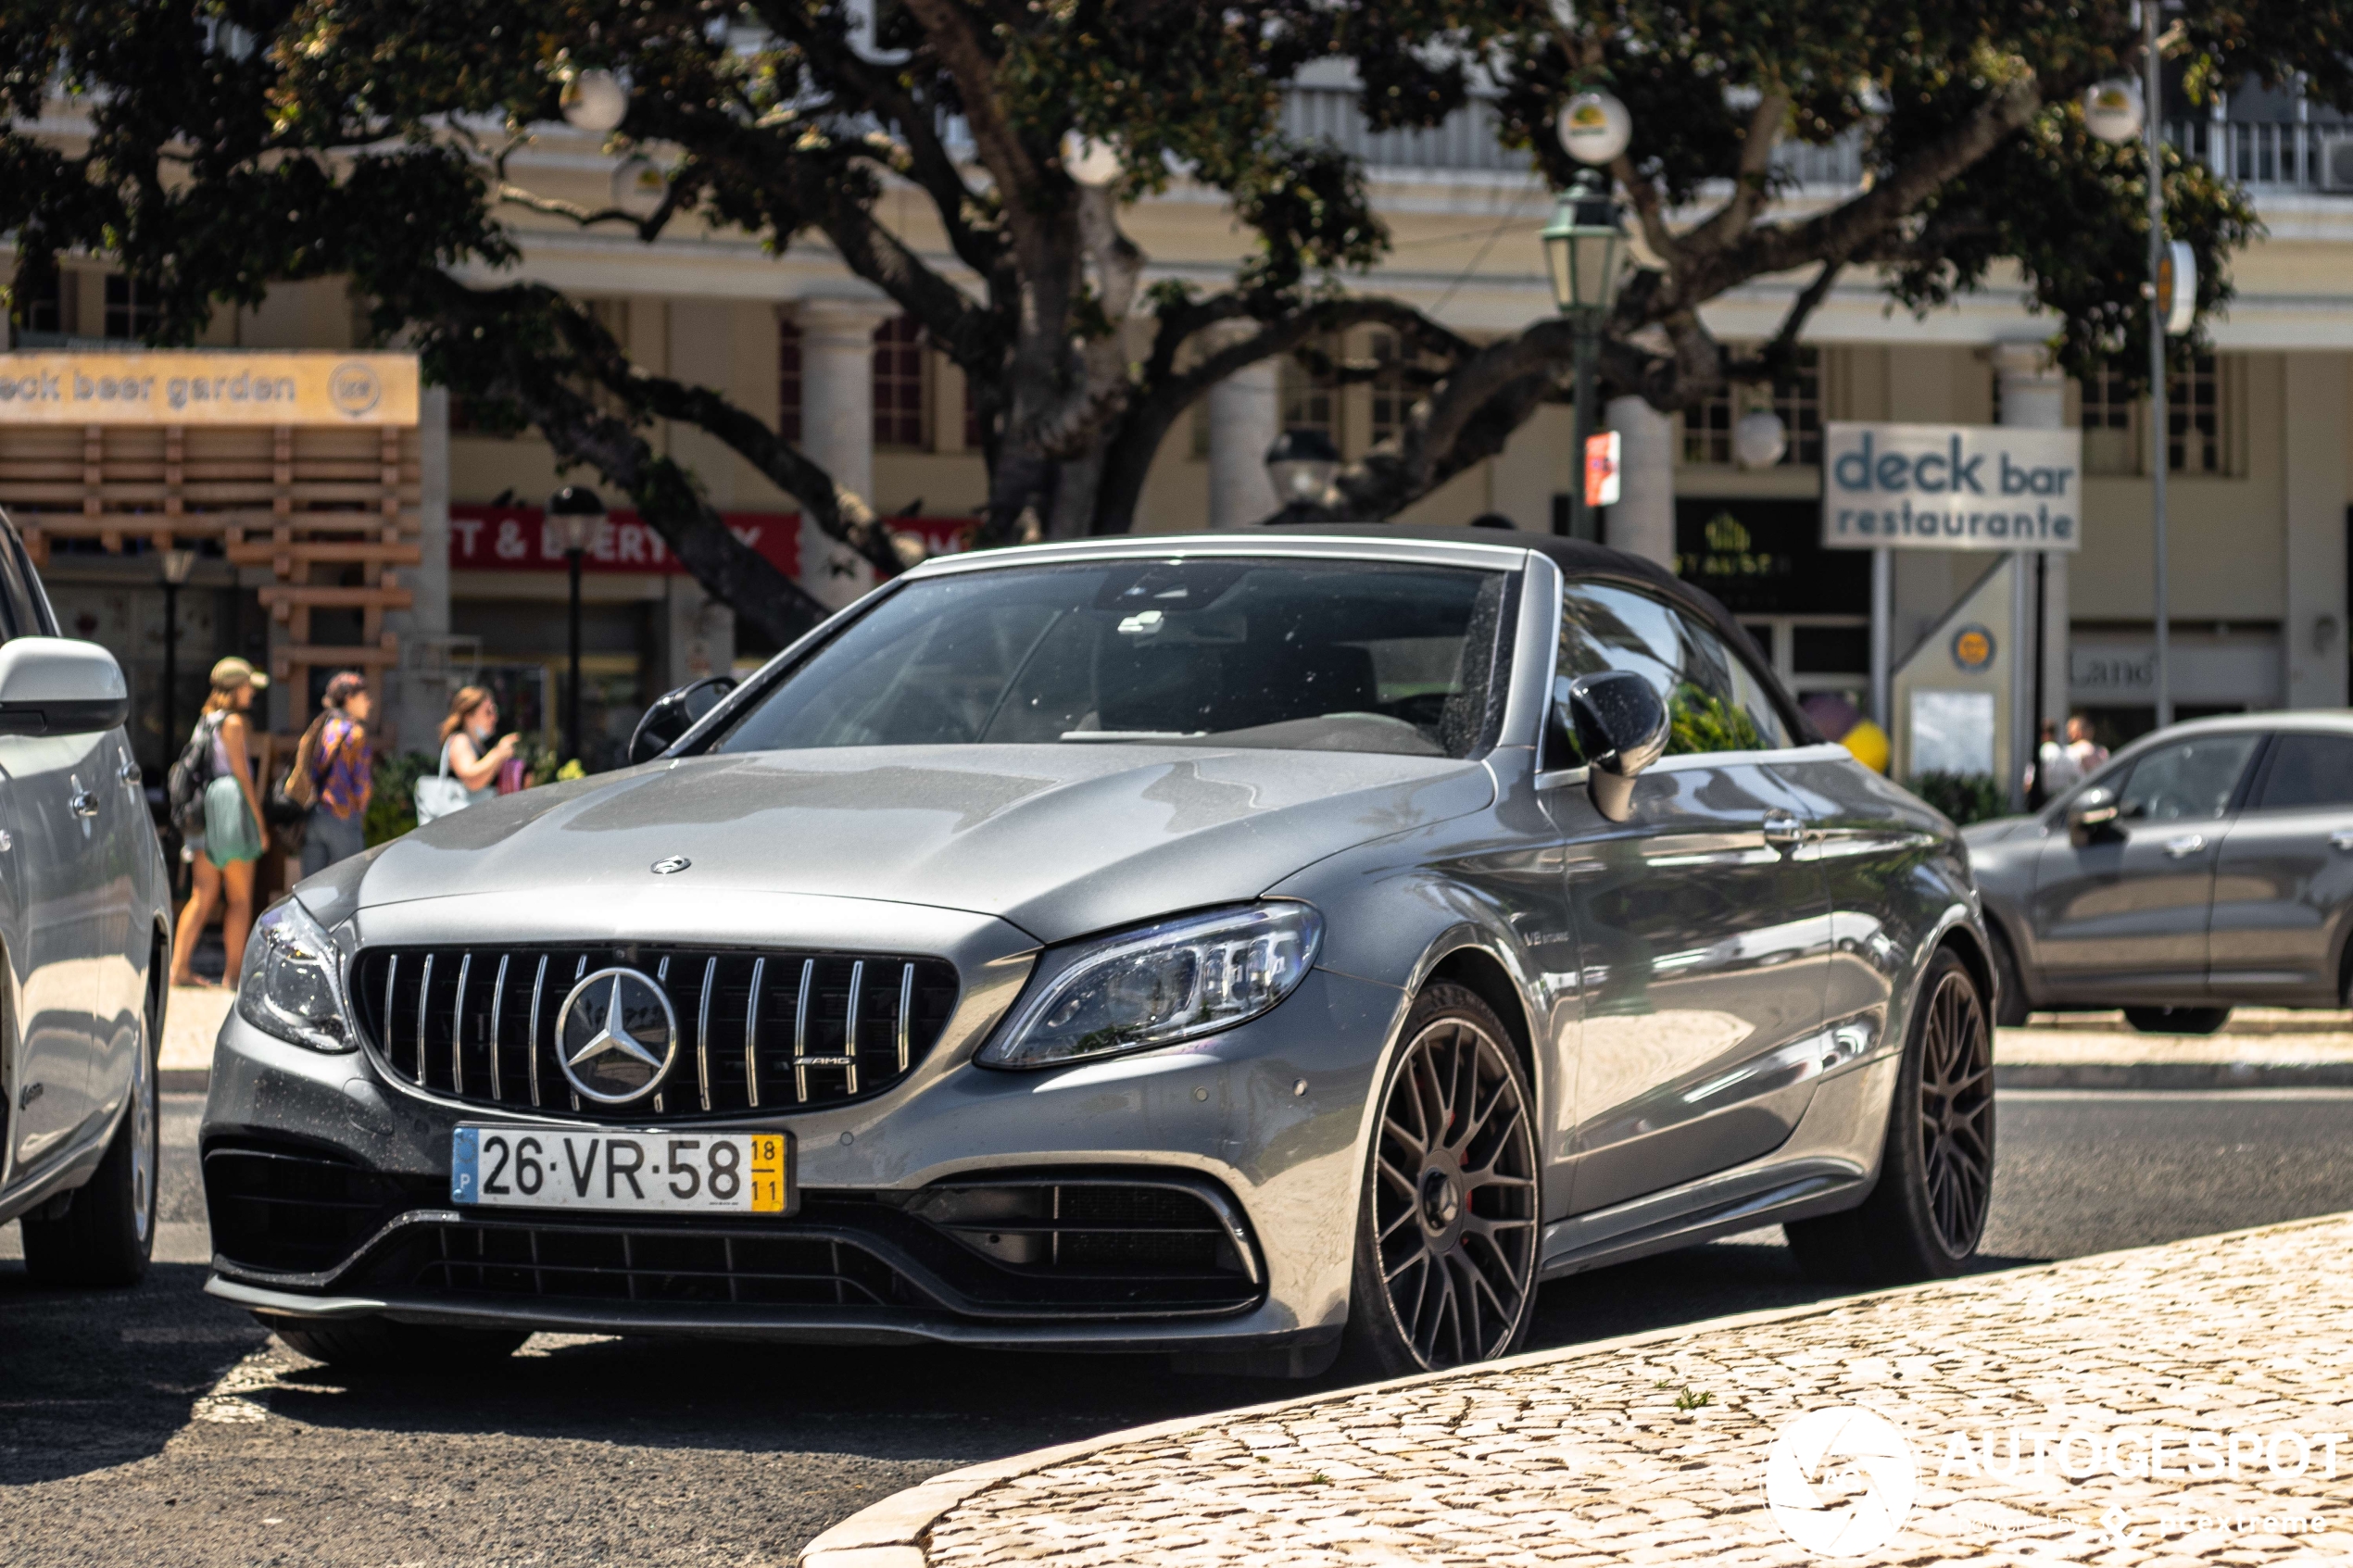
(234, 144)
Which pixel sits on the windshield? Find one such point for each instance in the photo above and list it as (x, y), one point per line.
(1307, 655)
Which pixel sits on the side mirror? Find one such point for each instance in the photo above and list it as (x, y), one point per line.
(1620, 725)
(672, 714)
(59, 687)
(2090, 817)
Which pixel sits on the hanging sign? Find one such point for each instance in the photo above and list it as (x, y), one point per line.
(1600, 468)
(1951, 487)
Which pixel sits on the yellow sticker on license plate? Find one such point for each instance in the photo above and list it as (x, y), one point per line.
(767, 1173)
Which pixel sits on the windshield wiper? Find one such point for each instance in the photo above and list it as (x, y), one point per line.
(1132, 735)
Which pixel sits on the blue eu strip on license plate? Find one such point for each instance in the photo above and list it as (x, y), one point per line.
(465, 1165)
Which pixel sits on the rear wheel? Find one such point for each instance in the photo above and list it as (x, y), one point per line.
(1447, 1225)
(1925, 1216)
(2177, 1020)
(108, 1230)
(380, 1342)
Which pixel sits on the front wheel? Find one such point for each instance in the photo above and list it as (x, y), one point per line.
(107, 1232)
(2177, 1020)
(1927, 1214)
(1447, 1227)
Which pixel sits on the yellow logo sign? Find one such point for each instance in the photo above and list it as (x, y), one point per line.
(1972, 648)
(1724, 533)
(208, 387)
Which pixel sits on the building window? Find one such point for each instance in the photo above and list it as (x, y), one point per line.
(2194, 429)
(902, 385)
(2111, 423)
(130, 313)
(1398, 381)
(1708, 425)
(1310, 397)
(788, 380)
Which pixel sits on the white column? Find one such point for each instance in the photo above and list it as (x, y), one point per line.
(1642, 523)
(418, 689)
(837, 428)
(2312, 448)
(2034, 398)
(702, 633)
(1244, 419)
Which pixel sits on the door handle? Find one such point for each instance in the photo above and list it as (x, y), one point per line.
(131, 774)
(2182, 848)
(84, 801)
(2341, 839)
(1782, 830)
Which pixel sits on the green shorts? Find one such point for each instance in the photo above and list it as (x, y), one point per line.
(230, 833)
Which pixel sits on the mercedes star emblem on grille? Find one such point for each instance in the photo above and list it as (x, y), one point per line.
(616, 1036)
(669, 863)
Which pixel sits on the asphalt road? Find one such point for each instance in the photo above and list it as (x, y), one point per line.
(160, 1426)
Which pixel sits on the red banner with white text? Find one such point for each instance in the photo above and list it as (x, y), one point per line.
(485, 538)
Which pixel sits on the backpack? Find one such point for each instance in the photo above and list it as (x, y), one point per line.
(191, 770)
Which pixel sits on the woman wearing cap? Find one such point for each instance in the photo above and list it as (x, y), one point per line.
(223, 853)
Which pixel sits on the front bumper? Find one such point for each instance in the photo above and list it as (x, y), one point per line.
(1225, 1121)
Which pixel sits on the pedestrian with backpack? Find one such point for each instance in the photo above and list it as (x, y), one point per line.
(334, 774)
(219, 817)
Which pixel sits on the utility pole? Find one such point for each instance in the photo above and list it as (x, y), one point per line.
(2153, 96)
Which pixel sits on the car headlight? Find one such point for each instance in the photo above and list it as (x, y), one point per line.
(1174, 980)
(289, 987)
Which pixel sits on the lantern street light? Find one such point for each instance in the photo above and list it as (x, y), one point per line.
(1585, 249)
(595, 101)
(1302, 463)
(176, 564)
(579, 515)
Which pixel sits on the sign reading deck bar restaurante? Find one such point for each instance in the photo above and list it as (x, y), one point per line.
(208, 387)
(1951, 487)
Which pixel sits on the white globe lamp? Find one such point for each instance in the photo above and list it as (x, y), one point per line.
(595, 101)
(2113, 110)
(1595, 128)
(1759, 439)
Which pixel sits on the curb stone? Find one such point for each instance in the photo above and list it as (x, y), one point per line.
(2175, 1075)
(895, 1531)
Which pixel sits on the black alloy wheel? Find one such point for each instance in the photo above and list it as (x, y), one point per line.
(1446, 1272)
(1957, 1112)
(1925, 1213)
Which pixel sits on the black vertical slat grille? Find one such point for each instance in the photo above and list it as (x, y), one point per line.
(480, 1024)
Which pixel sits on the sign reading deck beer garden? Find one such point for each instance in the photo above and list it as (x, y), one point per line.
(196, 386)
(1951, 487)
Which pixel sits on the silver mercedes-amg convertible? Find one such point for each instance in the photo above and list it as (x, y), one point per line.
(1252, 947)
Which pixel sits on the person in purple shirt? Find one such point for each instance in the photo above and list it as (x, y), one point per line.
(340, 765)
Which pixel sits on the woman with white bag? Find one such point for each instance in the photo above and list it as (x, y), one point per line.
(470, 763)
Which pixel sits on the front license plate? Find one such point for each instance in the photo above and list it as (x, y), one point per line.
(637, 1172)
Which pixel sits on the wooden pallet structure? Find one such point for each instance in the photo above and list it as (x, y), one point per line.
(332, 511)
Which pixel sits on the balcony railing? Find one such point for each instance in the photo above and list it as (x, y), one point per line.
(2288, 156)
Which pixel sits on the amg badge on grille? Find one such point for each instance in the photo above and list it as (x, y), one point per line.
(616, 1036)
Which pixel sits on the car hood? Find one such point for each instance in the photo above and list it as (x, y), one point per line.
(1997, 830)
(1060, 840)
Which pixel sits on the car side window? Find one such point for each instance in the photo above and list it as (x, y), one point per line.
(1715, 702)
(2191, 781)
(2308, 770)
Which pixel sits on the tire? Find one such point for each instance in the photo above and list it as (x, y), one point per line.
(2177, 1020)
(2011, 1007)
(380, 1342)
(107, 1232)
(1926, 1213)
(1447, 1220)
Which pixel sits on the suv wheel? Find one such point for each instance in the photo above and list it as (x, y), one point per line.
(1447, 1227)
(1925, 1216)
(379, 1342)
(108, 1230)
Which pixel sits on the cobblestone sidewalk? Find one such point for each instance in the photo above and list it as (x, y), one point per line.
(2031, 1403)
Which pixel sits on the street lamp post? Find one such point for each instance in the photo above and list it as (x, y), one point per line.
(580, 513)
(1302, 464)
(2152, 117)
(176, 565)
(1585, 249)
